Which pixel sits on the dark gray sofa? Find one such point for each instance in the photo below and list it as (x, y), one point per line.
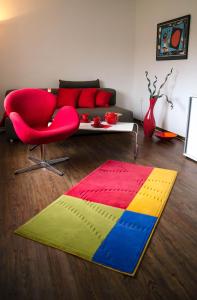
(127, 115)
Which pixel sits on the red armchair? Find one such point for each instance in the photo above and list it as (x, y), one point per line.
(30, 111)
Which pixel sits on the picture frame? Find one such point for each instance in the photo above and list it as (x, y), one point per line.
(173, 39)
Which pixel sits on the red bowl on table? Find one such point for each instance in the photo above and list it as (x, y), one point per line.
(165, 135)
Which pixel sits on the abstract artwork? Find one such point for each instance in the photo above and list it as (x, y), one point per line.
(172, 39)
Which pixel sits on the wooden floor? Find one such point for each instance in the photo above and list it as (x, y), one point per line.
(29, 270)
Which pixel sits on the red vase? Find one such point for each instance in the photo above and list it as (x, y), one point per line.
(149, 120)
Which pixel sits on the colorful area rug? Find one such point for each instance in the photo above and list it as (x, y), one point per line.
(108, 217)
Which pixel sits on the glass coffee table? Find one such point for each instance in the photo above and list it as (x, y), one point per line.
(118, 127)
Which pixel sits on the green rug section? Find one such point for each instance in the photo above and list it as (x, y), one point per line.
(72, 225)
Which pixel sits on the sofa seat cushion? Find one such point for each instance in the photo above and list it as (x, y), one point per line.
(87, 98)
(68, 97)
(127, 115)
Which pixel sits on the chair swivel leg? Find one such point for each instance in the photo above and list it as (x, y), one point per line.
(43, 163)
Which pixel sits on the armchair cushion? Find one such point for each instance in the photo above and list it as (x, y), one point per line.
(30, 111)
(35, 106)
(65, 122)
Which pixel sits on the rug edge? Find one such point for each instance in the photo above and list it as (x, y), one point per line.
(41, 242)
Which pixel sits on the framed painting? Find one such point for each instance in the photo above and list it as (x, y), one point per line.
(173, 38)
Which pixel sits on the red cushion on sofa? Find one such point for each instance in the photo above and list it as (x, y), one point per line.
(103, 98)
(67, 97)
(87, 97)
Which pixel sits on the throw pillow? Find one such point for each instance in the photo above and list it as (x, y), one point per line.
(103, 98)
(68, 97)
(79, 84)
(87, 97)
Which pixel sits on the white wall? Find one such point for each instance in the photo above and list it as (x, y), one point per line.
(43, 41)
(184, 81)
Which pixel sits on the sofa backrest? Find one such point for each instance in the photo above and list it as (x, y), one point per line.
(55, 91)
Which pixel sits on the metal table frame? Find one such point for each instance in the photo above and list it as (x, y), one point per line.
(119, 127)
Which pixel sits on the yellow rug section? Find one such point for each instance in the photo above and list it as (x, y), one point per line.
(152, 196)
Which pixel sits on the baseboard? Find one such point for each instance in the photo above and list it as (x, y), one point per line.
(179, 137)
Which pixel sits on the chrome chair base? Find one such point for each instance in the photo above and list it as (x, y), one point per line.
(43, 163)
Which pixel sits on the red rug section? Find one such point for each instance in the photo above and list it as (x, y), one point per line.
(114, 183)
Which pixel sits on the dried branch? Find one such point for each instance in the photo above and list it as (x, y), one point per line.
(149, 83)
(164, 81)
(154, 85)
(169, 101)
(157, 95)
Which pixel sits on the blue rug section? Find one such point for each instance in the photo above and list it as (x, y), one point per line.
(125, 243)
